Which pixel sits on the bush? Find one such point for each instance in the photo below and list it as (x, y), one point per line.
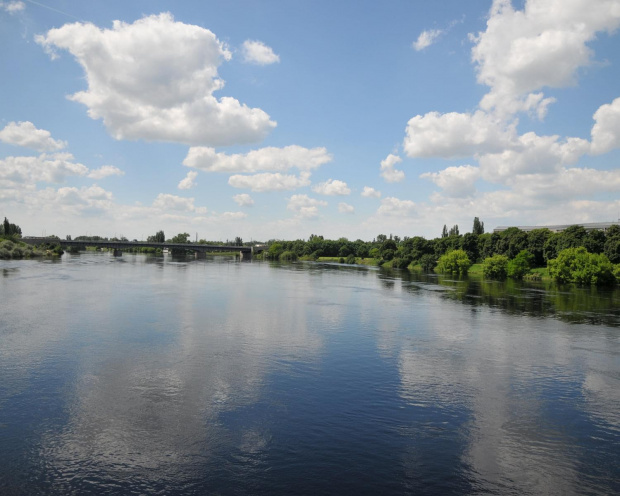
(520, 265)
(351, 259)
(4, 253)
(576, 265)
(288, 256)
(454, 262)
(428, 262)
(495, 267)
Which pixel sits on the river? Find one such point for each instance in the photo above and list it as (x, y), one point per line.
(149, 375)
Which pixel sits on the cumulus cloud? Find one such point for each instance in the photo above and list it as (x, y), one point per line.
(332, 187)
(189, 181)
(27, 135)
(369, 192)
(395, 207)
(606, 130)
(243, 200)
(54, 168)
(270, 181)
(455, 181)
(388, 172)
(426, 39)
(166, 201)
(154, 80)
(270, 159)
(256, 52)
(13, 7)
(345, 208)
(304, 206)
(105, 171)
(456, 134)
(542, 45)
(532, 154)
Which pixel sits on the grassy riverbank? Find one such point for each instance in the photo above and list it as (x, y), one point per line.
(14, 249)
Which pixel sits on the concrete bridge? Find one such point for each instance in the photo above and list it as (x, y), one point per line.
(200, 250)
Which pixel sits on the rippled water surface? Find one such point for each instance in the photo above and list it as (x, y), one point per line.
(146, 375)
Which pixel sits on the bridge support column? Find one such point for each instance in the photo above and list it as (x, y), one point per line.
(117, 252)
(245, 256)
(200, 254)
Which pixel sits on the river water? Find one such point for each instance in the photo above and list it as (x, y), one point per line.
(149, 375)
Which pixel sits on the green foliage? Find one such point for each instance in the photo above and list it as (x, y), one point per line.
(469, 243)
(611, 248)
(495, 267)
(478, 227)
(181, 238)
(374, 253)
(520, 266)
(454, 262)
(274, 251)
(536, 240)
(159, 237)
(350, 259)
(550, 249)
(288, 256)
(9, 230)
(576, 265)
(428, 262)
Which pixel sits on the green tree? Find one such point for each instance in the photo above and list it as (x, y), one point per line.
(520, 265)
(469, 243)
(182, 238)
(444, 232)
(478, 227)
(536, 240)
(454, 262)
(428, 262)
(454, 230)
(495, 267)
(611, 248)
(576, 265)
(571, 237)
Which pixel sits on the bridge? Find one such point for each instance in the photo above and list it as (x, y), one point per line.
(200, 250)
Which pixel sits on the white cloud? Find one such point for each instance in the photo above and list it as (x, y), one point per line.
(189, 181)
(345, 208)
(154, 80)
(426, 39)
(332, 187)
(369, 192)
(606, 130)
(532, 154)
(264, 159)
(166, 201)
(305, 206)
(455, 134)
(256, 52)
(54, 168)
(13, 7)
(395, 207)
(270, 181)
(540, 46)
(27, 135)
(105, 171)
(243, 200)
(388, 172)
(455, 181)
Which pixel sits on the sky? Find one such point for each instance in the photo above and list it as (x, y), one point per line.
(278, 120)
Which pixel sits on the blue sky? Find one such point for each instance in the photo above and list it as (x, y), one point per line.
(284, 119)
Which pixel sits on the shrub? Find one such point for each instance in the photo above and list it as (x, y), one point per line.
(454, 262)
(428, 262)
(520, 265)
(288, 256)
(578, 266)
(495, 267)
(351, 259)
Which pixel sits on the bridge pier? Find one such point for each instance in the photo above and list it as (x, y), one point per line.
(117, 252)
(246, 255)
(200, 254)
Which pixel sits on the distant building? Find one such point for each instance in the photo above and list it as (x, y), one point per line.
(589, 226)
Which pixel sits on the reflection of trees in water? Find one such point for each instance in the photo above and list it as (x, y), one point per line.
(543, 299)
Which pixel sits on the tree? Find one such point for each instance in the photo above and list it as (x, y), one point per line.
(520, 265)
(454, 230)
(469, 243)
(576, 265)
(478, 227)
(9, 229)
(454, 262)
(536, 240)
(444, 232)
(238, 241)
(495, 267)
